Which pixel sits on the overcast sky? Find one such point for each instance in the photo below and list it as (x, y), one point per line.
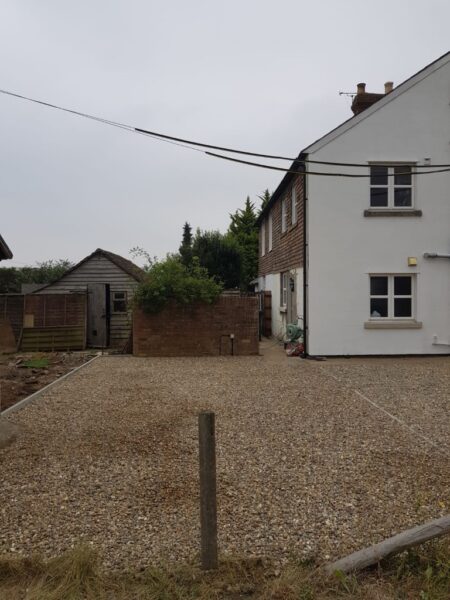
(255, 74)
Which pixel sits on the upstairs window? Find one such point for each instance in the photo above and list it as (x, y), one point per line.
(119, 302)
(263, 238)
(391, 187)
(283, 215)
(293, 205)
(391, 296)
(270, 231)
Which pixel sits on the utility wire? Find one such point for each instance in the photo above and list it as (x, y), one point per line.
(263, 166)
(184, 143)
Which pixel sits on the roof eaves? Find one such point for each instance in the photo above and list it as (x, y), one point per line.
(5, 252)
(297, 165)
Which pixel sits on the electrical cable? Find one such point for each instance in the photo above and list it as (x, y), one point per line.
(273, 167)
(188, 144)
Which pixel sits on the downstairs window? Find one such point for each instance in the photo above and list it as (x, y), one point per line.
(392, 296)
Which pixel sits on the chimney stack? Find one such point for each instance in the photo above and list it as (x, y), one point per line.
(363, 99)
(388, 87)
(360, 88)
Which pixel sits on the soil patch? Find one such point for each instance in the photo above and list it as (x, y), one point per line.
(25, 373)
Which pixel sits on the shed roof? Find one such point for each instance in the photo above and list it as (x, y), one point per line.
(5, 252)
(123, 263)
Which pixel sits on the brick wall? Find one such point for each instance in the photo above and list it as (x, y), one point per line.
(199, 330)
(287, 247)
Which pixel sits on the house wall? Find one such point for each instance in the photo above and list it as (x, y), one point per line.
(272, 282)
(198, 330)
(99, 269)
(286, 254)
(345, 247)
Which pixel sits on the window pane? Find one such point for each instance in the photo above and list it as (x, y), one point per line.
(402, 175)
(402, 286)
(294, 205)
(378, 307)
(402, 307)
(378, 286)
(119, 306)
(378, 175)
(378, 197)
(402, 197)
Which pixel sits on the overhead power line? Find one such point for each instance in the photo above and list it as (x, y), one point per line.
(306, 172)
(194, 145)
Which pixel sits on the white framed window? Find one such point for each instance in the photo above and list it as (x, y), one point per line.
(263, 238)
(270, 231)
(284, 281)
(119, 302)
(392, 296)
(293, 205)
(283, 215)
(391, 187)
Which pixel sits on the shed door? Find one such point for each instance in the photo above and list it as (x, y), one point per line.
(98, 315)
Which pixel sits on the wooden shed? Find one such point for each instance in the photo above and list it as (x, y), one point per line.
(109, 280)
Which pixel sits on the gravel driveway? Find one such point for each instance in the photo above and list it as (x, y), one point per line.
(311, 458)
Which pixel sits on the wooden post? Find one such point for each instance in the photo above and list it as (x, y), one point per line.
(393, 545)
(208, 502)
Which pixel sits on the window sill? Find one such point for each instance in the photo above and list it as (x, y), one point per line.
(289, 228)
(283, 309)
(392, 212)
(393, 324)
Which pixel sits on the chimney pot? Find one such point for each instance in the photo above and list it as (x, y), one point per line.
(388, 87)
(360, 88)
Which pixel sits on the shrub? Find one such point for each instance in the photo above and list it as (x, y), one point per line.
(171, 280)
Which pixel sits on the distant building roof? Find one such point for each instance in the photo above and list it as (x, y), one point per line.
(5, 252)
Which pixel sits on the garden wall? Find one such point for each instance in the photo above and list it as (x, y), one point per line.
(199, 330)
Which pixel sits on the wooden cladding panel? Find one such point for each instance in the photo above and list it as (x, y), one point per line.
(51, 339)
(11, 311)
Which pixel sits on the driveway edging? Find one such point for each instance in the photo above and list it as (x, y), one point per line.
(22, 403)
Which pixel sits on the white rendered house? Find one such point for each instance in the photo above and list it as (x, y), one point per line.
(373, 253)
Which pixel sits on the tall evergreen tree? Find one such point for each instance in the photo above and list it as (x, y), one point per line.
(265, 199)
(244, 230)
(186, 245)
(220, 255)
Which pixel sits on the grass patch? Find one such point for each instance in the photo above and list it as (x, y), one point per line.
(422, 574)
(36, 363)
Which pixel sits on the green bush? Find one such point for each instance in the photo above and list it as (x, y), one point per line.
(171, 280)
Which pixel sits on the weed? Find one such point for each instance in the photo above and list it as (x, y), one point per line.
(422, 574)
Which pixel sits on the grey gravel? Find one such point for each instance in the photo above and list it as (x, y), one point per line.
(305, 465)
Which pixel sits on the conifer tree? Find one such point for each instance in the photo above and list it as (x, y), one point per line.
(244, 230)
(186, 245)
